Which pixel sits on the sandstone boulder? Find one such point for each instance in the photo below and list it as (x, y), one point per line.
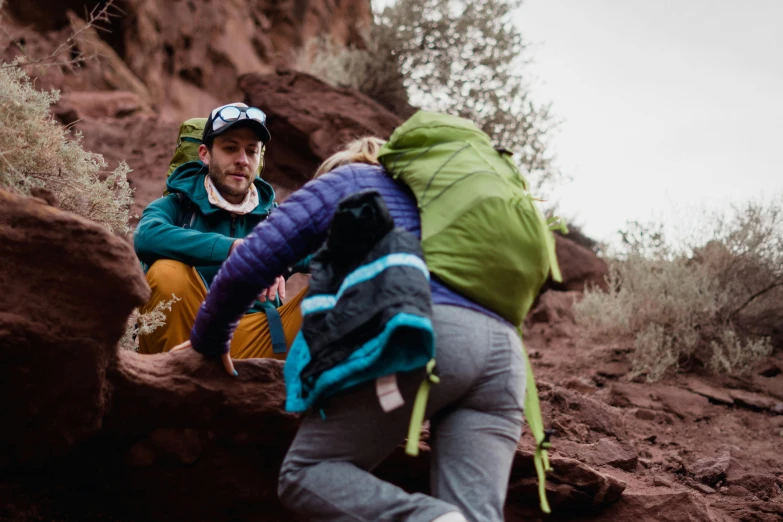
(68, 288)
(312, 120)
(582, 417)
(605, 452)
(79, 105)
(580, 267)
(555, 307)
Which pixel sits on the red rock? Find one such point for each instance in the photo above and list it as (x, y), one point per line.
(698, 486)
(645, 414)
(313, 120)
(570, 485)
(658, 506)
(580, 267)
(68, 288)
(629, 394)
(569, 408)
(186, 445)
(684, 404)
(579, 384)
(613, 369)
(554, 307)
(710, 470)
(753, 400)
(186, 391)
(769, 369)
(714, 394)
(79, 105)
(140, 455)
(756, 483)
(751, 510)
(183, 57)
(605, 452)
(45, 195)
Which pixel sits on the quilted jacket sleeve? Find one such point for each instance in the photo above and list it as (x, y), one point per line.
(293, 231)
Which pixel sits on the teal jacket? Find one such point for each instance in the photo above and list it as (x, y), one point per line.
(206, 241)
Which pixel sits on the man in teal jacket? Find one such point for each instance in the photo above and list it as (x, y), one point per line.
(186, 235)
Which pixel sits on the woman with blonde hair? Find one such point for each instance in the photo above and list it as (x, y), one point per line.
(363, 150)
(475, 411)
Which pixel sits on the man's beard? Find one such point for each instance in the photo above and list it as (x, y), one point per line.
(219, 176)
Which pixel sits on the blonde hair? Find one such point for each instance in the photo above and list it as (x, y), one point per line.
(363, 150)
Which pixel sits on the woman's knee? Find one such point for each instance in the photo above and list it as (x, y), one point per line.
(286, 483)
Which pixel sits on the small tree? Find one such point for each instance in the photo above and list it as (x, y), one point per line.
(462, 58)
(467, 58)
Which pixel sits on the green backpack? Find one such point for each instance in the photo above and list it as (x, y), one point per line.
(481, 231)
(188, 141)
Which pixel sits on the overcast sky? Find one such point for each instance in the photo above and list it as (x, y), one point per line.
(665, 104)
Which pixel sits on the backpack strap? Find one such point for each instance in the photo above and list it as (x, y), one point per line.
(419, 408)
(536, 423)
(188, 213)
(276, 332)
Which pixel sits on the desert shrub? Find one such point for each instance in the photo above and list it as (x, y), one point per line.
(143, 324)
(731, 355)
(36, 151)
(719, 304)
(371, 70)
(461, 58)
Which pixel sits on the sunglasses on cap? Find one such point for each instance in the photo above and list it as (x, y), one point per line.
(231, 113)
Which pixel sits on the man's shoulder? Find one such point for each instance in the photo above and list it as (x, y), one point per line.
(170, 207)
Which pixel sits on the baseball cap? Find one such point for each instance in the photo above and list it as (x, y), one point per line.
(232, 115)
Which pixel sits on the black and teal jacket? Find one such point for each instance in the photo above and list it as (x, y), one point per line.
(368, 311)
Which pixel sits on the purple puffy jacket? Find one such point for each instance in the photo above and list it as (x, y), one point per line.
(294, 230)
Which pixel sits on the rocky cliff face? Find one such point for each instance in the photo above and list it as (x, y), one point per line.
(181, 58)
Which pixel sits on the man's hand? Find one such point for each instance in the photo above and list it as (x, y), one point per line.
(277, 288)
(228, 364)
(234, 245)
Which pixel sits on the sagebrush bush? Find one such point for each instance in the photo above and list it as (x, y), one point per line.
(719, 303)
(36, 151)
(371, 70)
(143, 324)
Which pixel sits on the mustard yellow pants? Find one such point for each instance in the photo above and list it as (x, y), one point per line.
(251, 338)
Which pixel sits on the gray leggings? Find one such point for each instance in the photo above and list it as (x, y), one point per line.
(476, 422)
